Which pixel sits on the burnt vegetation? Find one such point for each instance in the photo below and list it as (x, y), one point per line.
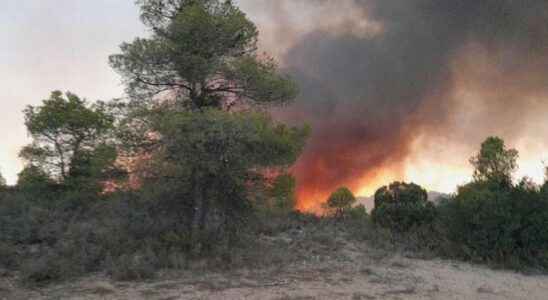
(190, 172)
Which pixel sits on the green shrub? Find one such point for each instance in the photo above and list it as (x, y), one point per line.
(283, 192)
(401, 206)
(359, 212)
(339, 203)
(502, 226)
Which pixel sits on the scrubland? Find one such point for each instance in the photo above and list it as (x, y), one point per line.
(310, 258)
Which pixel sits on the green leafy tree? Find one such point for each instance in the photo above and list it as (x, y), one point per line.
(494, 162)
(213, 157)
(492, 220)
(400, 205)
(340, 202)
(201, 53)
(506, 226)
(359, 212)
(32, 177)
(63, 129)
(283, 192)
(91, 166)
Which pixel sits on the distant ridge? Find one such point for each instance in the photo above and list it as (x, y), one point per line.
(437, 196)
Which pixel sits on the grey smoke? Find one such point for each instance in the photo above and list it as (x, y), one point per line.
(368, 96)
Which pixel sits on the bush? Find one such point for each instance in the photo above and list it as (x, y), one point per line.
(50, 267)
(359, 212)
(401, 206)
(340, 202)
(506, 227)
(132, 267)
(283, 192)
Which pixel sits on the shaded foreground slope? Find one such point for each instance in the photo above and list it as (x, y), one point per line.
(333, 270)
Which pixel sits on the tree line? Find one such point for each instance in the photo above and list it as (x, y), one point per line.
(191, 168)
(196, 87)
(191, 145)
(491, 219)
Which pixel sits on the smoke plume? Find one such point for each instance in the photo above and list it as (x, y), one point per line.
(375, 75)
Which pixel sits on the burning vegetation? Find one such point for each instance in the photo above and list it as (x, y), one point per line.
(211, 184)
(442, 69)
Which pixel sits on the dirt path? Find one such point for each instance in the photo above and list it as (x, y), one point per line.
(355, 275)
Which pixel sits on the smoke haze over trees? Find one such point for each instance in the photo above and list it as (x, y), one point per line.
(381, 74)
(190, 172)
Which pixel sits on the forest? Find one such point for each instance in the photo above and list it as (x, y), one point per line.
(190, 172)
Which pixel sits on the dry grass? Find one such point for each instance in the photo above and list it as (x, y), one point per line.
(333, 276)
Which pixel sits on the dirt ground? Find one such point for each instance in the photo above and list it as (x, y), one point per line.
(356, 273)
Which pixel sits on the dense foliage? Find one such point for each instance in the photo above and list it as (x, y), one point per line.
(201, 54)
(504, 226)
(489, 220)
(400, 206)
(494, 163)
(340, 202)
(203, 161)
(201, 64)
(493, 220)
(208, 178)
(70, 139)
(216, 158)
(283, 192)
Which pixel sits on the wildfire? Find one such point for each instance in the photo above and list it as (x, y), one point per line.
(313, 193)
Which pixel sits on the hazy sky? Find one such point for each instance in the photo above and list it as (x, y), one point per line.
(56, 44)
(65, 44)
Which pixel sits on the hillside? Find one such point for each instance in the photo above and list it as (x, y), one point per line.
(308, 264)
(357, 271)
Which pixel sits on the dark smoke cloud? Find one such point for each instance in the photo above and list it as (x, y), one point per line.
(369, 96)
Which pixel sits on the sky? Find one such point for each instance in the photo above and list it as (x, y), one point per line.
(343, 53)
(56, 45)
